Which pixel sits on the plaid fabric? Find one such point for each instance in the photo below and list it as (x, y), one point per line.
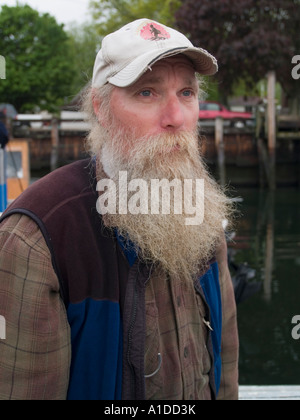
(35, 356)
(175, 328)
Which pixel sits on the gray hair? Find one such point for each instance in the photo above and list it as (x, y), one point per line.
(103, 94)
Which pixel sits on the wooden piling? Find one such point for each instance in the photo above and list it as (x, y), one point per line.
(271, 123)
(54, 144)
(219, 141)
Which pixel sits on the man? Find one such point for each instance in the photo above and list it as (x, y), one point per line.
(112, 287)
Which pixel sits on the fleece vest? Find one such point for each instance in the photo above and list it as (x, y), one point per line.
(102, 286)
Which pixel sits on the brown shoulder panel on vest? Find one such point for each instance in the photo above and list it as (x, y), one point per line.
(85, 255)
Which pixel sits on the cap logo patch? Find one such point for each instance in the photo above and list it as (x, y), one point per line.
(154, 32)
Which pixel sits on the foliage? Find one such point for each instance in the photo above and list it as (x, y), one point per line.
(113, 14)
(84, 44)
(248, 37)
(39, 64)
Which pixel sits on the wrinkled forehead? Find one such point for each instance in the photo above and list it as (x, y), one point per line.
(178, 65)
(178, 61)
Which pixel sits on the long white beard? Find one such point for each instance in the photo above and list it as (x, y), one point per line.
(181, 249)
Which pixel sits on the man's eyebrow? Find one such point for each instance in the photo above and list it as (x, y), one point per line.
(192, 82)
(144, 81)
(153, 80)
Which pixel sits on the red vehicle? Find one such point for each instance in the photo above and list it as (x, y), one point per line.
(212, 110)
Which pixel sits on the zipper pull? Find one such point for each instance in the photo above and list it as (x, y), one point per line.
(207, 323)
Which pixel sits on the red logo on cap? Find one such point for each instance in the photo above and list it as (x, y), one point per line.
(154, 32)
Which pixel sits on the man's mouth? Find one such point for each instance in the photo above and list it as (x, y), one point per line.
(174, 149)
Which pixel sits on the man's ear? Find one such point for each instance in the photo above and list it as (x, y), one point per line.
(97, 110)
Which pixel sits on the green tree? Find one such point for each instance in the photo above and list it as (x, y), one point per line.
(85, 43)
(248, 37)
(39, 63)
(113, 14)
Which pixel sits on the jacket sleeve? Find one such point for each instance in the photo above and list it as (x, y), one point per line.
(230, 342)
(35, 343)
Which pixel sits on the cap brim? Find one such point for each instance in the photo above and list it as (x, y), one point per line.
(205, 64)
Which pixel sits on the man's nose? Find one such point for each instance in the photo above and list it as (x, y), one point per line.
(172, 116)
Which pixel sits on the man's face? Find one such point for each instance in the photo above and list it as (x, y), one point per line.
(150, 132)
(163, 101)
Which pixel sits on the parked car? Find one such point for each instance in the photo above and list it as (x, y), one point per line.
(212, 110)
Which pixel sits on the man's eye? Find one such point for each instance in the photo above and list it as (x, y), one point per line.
(187, 93)
(145, 93)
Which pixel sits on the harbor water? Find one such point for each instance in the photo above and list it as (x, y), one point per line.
(268, 240)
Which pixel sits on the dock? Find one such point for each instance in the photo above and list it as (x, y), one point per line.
(270, 393)
(224, 144)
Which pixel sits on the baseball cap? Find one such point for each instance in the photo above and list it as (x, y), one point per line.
(130, 51)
